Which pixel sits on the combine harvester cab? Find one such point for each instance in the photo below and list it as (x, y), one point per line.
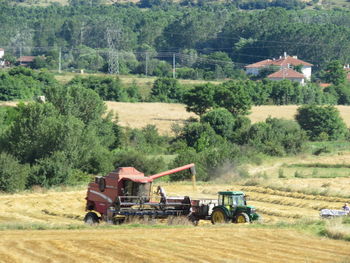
(127, 192)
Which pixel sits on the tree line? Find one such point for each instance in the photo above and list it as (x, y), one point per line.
(211, 40)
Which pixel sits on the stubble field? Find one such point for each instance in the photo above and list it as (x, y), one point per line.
(63, 209)
(219, 244)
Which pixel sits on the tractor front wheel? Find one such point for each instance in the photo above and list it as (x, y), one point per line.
(91, 218)
(242, 218)
(219, 217)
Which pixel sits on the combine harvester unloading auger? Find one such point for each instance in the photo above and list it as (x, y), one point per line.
(126, 193)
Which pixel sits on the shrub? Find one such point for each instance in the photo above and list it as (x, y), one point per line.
(167, 90)
(319, 121)
(186, 73)
(147, 140)
(221, 120)
(7, 116)
(23, 83)
(200, 98)
(240, 130)
(108, 88)
(234, 97)
(50, 171)
(13, 175)
(199, 135)
(276, 137)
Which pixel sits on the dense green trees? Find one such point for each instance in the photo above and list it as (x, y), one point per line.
(13, 175)
(62, 138)
(199, 98)
(108, 88)
(166, 90)
(276, 137)
(334, 73)
(321, 122)
(23, 83)
(213, 39)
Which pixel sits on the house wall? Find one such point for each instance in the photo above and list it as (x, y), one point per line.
(300, 81)
(2, 53)
(252, 71)
(307, 72)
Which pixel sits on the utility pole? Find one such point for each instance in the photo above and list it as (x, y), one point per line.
(146, 69)
(60, 61)
(174, 66)
(20, 54)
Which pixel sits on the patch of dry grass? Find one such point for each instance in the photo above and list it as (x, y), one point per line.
(336, 230)
(138, 115)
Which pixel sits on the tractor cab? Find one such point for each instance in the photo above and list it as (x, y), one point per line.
(232, 199)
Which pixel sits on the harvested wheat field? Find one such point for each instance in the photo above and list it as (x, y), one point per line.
(274, 205)
(163, 115)
(205, 243)
(186, 244)
(138, 115)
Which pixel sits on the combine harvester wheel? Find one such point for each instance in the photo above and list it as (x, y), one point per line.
(91, 218)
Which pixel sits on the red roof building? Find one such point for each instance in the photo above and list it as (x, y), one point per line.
(287, 73)
(324, 85)
(284, 61)
(25, 60)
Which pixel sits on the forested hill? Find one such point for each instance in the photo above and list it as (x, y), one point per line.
(192, 32)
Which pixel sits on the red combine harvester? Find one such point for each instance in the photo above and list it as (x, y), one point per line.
(126, 192)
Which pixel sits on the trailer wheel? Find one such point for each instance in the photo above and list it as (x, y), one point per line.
(193, 219)
(91, 219)
(242, 218)
(219, 217)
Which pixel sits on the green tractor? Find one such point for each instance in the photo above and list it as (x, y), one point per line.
(232, 207)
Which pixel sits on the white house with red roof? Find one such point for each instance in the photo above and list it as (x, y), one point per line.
(284, 62)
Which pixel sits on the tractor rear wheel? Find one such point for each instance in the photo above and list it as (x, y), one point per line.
(91, 218)
(219, 217)
(242, 218)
